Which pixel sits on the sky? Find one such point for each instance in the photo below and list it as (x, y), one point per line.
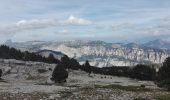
(106, 20)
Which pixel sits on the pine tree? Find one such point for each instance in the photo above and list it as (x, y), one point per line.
(143, 72)
(59, 74)
(163, 78)
(87, 67)
(74, 64)
(51, 58)
(0, 73)
(65, 60)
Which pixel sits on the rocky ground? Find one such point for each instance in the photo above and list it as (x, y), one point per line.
(22, 81)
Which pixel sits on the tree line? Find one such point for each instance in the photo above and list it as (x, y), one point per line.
(12, 53)
(141, 72)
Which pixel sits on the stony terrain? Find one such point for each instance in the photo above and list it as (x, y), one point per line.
(23, 81)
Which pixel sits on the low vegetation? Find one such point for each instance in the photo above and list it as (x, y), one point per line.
(163, 97)
(41, 70)
(125, 88)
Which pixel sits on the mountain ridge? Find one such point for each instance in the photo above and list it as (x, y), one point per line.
(100, 53)
(158, 43)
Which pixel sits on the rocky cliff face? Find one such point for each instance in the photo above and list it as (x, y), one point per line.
(105, 54)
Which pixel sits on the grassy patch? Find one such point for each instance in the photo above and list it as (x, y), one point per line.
(87, 90)
(73, 86)
(23, 96)
(140, 99)
(163, 97)
(126, 88)
(65, 94)
(30, 77)
(48, 84)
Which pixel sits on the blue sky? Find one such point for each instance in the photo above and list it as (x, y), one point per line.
(107, 20)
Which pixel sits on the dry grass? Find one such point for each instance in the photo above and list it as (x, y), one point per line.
(23, 96)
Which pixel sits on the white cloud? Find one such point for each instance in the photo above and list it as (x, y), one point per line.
(23, 25)
(35, 23)
(26, 25)
(77, 21)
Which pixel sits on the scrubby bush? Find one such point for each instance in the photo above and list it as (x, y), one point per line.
(42, 70)
(59, 74)
(50, 69)
(143, 86)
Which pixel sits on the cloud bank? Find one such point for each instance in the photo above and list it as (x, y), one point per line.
(24, 25)
(77, 21)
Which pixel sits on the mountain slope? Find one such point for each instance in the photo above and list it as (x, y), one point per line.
(46, 53)
(158, 44)
(100, 53)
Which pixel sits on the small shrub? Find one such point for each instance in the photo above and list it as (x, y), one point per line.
(143, 86)
(50, 69)
(90, 76)
(42, 70)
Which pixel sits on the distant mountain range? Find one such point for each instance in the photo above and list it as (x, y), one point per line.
(158, 44)
(100, 53)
